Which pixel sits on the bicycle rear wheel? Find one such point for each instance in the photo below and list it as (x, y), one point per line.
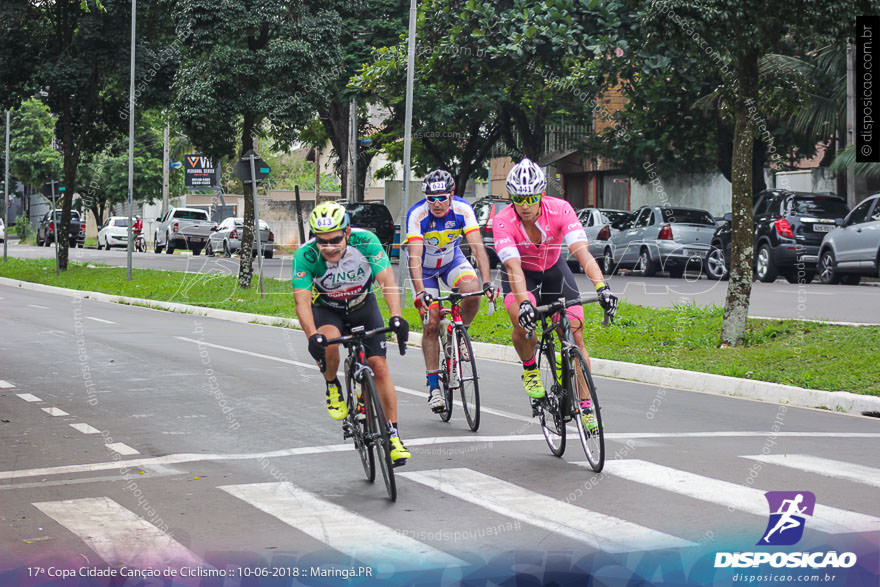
(592, 434)
(468, 382)
(446, 389)
(359, 427)
(551, 417)
(378, 427)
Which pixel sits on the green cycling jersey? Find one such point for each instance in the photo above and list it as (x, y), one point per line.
(344, 284)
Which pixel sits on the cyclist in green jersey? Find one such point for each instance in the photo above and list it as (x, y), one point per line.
(332, 278)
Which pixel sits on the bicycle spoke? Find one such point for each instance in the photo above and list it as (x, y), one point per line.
(467, 379)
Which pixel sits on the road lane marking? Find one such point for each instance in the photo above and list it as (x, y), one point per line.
(55, 412)
(118, 535)
(824, 467)
(122, 448)
(739, 497)
(100, 320)
(598, 530)
(5, 384)
(85, 428)
(28, 397)
(354, 535)
(319, 450)
(39, 307)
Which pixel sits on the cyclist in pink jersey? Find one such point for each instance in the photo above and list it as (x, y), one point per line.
(529, 236)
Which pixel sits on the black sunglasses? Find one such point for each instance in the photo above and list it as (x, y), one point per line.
(330, 241)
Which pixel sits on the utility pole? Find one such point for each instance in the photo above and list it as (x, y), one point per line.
(407, 146)
(317, 174)
(850, 122)
(352, 150)
(166, 161)
(131, 135)
(6, 191)
(252, 157)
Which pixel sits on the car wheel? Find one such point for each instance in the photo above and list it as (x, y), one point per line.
(716, 265)
(209, 250)
(798, 277)
(157, 248)
(850, 278)
(169, 248)
(268, 254)
(764, 266)
(608, 267)
(196, 251)
(827, 271)
(646, 265)
(226, 252)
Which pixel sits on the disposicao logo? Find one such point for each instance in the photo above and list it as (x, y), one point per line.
(787, 517)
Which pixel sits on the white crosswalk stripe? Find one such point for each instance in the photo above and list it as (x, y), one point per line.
(746, 499)
(6, 385)
(824, 467)
(340, 529)
(118, 535)
(598, 530)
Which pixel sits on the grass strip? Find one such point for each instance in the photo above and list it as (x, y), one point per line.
(806, 354)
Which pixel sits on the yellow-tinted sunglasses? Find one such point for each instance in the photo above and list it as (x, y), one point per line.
(526, 200)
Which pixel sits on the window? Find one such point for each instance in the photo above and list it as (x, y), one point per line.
(763, 204)
(191, 214)
(876, 215)
(687, 216)
(643, 217)
(120, 222)
(820, 206)
(615, 218)
(859, 213)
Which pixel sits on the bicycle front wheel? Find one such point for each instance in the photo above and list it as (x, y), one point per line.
(468, 382)
(551, 416)
(359, 425)
(589, 421)
(378, 432)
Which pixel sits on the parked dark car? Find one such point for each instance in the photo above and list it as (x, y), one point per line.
(485, 210)
(852, 250)
(375, 217)
(789, 227)
(46, 229)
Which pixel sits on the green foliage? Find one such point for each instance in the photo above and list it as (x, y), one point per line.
(287, 173)
(33, 160)
(23, 227)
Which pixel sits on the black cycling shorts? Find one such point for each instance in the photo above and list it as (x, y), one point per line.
(367, 315)
(547, 286)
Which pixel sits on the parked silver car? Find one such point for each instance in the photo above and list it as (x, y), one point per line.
(852, 250)
(661, 238)
(226, 238)
(595, 220)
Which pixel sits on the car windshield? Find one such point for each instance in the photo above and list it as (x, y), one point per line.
(74, 215)
(819, 206)
(687, 216)
(365, 212)
(120, 222)
(615, 217)
(239, 223)
(191, 214)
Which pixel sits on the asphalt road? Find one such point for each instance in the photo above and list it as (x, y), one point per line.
(139, 437)
(814, 301)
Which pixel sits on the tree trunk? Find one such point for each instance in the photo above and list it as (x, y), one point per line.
(70, 164)
(245, 264)
(739, 288)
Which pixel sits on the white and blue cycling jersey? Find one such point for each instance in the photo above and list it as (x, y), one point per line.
(441, 236)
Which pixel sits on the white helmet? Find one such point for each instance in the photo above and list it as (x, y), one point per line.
(526, 178)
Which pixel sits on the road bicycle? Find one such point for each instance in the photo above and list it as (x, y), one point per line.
(366, 423)
(458, 369)
(565, 373)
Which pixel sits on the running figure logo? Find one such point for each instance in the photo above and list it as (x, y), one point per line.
(787, 515)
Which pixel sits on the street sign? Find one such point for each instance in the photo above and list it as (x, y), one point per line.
(46, 190)
(242, 169)
(200, 172)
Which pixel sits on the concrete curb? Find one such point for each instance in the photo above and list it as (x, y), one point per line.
(839, 401)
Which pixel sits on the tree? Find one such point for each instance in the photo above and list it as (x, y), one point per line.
(73, 54)
(32, 160)
(732, 36)
(252, 70)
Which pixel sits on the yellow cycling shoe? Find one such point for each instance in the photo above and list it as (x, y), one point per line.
(399, 453)
(532, 382)
(335, 404)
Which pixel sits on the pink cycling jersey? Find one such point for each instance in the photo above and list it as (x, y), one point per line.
(558, 225)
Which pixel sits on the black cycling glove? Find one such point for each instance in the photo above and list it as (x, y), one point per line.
(316, 346)
(528, 315)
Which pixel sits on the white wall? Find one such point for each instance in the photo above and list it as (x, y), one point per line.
(805, 180)
(707, 191)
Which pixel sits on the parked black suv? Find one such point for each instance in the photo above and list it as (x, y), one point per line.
(46, 229)
(375, 217)
(789, 227)
(485, 210)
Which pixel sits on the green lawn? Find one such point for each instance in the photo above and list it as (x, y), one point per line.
(810, 355)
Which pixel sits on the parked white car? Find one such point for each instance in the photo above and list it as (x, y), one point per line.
(2, 231)
(113, 233)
